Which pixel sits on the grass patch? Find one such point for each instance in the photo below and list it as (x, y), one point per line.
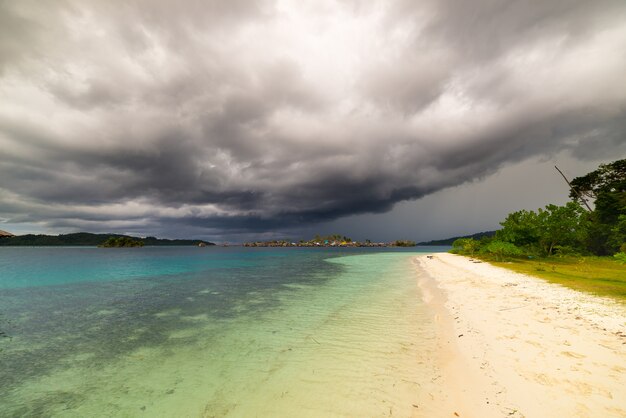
(601, 276)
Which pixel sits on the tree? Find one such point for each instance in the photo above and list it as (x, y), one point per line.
(617, 238)
(545, 230)
(521, 228)
(501, 249)
(561, 226)
(466, 246)
(608, 178)
(607, 186)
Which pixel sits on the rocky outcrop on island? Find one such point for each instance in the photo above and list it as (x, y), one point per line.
(5, 234)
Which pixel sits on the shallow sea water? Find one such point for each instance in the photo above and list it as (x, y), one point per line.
(211, 332)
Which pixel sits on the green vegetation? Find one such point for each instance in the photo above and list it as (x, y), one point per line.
(602, 276)
(86, 239)
(449, 241)
(119, 242)
(334, 240)
(403, 243)
(548, 231)
(573, 245)
(606, 230)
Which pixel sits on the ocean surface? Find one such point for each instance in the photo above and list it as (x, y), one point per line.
(211, 332)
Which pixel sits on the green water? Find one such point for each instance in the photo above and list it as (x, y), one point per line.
(334, 336)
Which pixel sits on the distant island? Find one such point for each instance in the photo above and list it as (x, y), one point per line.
(121, 242)
(449, 241)
(335, 240)
(86, 239)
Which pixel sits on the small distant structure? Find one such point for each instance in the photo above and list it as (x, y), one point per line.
(201, 244)
(6, 234)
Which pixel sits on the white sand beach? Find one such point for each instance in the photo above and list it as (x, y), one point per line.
(512, 345)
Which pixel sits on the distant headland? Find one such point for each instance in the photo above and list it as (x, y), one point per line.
(86, 239)
(449, 241)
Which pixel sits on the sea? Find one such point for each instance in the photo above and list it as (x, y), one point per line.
(212, 332)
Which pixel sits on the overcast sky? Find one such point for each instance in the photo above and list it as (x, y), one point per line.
(232, 119)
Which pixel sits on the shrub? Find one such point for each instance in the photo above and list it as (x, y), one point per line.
(501, 249)
(465, 246)
(621, 257)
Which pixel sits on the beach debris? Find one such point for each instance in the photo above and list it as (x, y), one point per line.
(456, 414)
(415, 406)
(460, 335)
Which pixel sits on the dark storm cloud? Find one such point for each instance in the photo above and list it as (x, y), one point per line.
(251, 116)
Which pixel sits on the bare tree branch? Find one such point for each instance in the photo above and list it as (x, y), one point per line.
(580, 195)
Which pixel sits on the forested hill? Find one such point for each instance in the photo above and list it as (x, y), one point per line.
(88, 239)
(449, 241)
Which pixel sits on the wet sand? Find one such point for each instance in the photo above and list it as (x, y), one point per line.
(511, 345)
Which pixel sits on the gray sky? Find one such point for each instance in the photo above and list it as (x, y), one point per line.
(231, 120)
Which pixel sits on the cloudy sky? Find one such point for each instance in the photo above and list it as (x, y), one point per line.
(235, 119)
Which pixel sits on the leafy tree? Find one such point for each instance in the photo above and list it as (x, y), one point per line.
(502, 249)
(568, 229)
(617, 237)
(607, 187)
(547, 229)
(521, 228)
(466, 246)
(608, 178)
(561, 226)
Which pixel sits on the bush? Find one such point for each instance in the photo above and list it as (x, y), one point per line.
(621, 257)
(501, 249)
(565, 250)
(466, 246)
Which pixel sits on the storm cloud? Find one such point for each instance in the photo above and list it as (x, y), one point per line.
(235, 116)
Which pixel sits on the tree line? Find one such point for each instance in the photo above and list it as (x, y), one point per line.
(89, 239)
(573, 229)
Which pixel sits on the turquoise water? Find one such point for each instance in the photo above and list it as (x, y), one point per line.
(210, 332)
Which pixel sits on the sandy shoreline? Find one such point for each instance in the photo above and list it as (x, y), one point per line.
(515, 346)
